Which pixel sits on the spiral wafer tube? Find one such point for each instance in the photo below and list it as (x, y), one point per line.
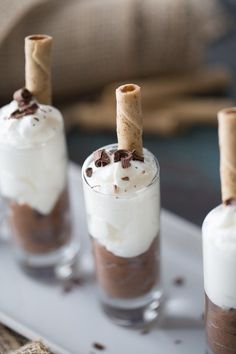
(227, 143)
(129, 118)
(38, 67)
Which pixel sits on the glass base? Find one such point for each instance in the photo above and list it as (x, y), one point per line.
(53, 265)
(135, 313)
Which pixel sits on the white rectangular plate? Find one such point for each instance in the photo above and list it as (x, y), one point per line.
(72, 322)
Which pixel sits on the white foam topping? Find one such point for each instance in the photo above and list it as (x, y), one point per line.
(219, 256)
(32, 156)
(125, 218)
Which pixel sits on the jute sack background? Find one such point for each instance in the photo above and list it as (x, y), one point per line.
(10, 341)
(100, 41)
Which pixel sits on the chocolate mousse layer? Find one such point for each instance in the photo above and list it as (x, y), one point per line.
(220, 328)
(38, 233)
(127, 278)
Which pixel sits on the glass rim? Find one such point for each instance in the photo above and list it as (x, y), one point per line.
(155, 178)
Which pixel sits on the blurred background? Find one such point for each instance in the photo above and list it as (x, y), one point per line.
(181, 52)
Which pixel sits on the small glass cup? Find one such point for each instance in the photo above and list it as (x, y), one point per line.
(130, 287)
(43, 241)
(219, 277)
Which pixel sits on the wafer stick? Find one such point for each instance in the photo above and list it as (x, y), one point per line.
(37, 67)
(227, 143)
(129, 118)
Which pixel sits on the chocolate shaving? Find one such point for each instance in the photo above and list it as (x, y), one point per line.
(97, 154)
(89, 171)
(21, 112)
(137, 157)
(119, 154)
(230, 201)
(125, 156)
(125, 178)
(178, 341)
(125, 162)
(101, 158)
(99, 346)
(179, 281)
(115, 187)
(145, 330)
(22, 96)
(69, 284)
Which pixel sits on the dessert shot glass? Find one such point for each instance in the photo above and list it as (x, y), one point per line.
(122, 197)
(219, 248)
(42, 240)
(219, 279)
(33, 174)
(130, 286)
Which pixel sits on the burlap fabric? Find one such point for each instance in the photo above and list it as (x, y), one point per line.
(8, 341)
(99, 41)
(12, 343)
(36, 347)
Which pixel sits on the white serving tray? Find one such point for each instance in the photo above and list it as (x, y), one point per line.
(71, 322)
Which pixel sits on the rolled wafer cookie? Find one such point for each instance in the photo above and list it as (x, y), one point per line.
(38, 67)
(227, 144)
(35, 347)
(129, 118)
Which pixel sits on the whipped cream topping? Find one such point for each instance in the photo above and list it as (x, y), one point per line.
(123, 204)
(113, 178)
(32, 156)
(30, 130)
(219, 255)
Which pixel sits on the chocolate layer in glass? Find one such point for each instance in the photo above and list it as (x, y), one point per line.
(127, 278)
(220, 328)
(37, 233)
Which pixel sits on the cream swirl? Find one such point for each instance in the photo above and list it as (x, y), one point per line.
(123, 204)
(32, 156)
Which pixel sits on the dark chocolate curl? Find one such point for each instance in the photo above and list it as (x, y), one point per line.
(101, 158)
(125, 156)
(24, 111)
(23, 96)
(89, 171)
(137, 157)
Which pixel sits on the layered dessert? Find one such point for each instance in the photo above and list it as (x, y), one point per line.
(121, 187)
(33, 173)
(122, 203)
(219, 247)
(33, 159)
